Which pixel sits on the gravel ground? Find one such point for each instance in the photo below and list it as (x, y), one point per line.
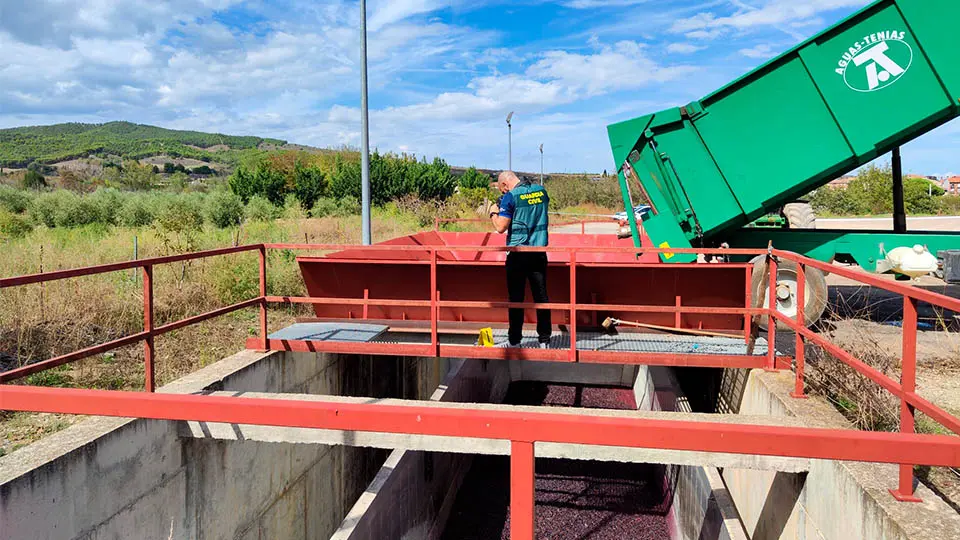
(575, 500)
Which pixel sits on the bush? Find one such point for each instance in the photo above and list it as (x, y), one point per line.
(473, 179)
(324, 207)
(224, 209)
(327, 207)
(566, 192)
(107, 203)
(349, 207)
(44, 209)
(179, 214)
(136, 212)
(292, 209)
(14, 200)
(310, 184)
(34, 180)
(260, 209)
(949, 205)
(871, 192)
(13, 225)
(63, 209)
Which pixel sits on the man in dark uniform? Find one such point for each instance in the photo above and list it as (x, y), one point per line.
(522, 214)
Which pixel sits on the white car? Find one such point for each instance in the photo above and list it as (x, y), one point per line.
(639, 211)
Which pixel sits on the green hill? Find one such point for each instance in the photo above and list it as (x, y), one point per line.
(60, 142)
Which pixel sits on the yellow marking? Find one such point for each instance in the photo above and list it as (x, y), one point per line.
(666, 245)
(486, 338)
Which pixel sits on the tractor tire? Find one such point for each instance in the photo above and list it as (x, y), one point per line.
(800, 216)
(815, 293)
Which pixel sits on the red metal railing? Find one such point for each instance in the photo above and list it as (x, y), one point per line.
(905, 389)
(523, 429)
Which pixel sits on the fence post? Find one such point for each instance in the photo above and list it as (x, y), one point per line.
(366, 303)
(264, 344)
(772, 324)
(573, 306)
(908, 385)
(148, 348)
(799, 351)
(434, 311)
(522, 492)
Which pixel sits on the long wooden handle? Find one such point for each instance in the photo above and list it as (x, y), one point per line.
(680, 330)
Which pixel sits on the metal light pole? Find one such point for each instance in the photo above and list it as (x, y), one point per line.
(509, 142)
(541, 164)
(364, 130)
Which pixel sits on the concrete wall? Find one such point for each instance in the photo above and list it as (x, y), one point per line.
(835, 500)
(412, 495)
(700, 507)
(405, 502)
(113, 478)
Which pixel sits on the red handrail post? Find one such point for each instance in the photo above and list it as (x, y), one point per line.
(264, 345)
(800, 352)
(573, 306)
(772, 308)
(366, 303)
(522, 490)
(908, 385)
(748, 318)
(434, 310)
(148, 347)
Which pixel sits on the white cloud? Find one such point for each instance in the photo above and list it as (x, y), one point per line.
(772, 13)
(684, 48)
(622, 66)
(761, 51)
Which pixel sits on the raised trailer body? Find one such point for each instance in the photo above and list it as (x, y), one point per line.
(870, 83)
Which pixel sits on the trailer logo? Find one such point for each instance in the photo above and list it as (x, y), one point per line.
(876, 61)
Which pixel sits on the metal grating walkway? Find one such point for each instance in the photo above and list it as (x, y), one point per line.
(586, 341)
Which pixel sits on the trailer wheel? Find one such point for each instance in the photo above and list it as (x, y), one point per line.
(815, 295)
(800, 216)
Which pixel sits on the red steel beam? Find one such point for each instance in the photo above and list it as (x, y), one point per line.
(813, 443)
(522, 490)
(114, 267)
(520, 249)
(525, 305)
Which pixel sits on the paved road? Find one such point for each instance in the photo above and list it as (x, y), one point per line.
(938, 223)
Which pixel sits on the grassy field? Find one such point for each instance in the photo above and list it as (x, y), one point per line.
(39, 322)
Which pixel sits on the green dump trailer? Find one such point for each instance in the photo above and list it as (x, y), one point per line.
(860, 89)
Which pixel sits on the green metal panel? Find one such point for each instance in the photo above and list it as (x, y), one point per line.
(712, 201)
(933, 23)
(873, 81)
(877, 82)
(769, 132)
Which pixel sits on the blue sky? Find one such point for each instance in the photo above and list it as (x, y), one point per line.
(444, 73)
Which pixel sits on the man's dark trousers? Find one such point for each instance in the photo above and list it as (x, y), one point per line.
(523, 267)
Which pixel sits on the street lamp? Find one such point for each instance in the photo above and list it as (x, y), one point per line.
(541, 164)
(364, 131)
(509, 142)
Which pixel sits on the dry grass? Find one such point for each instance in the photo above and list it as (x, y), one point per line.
(42, 321)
